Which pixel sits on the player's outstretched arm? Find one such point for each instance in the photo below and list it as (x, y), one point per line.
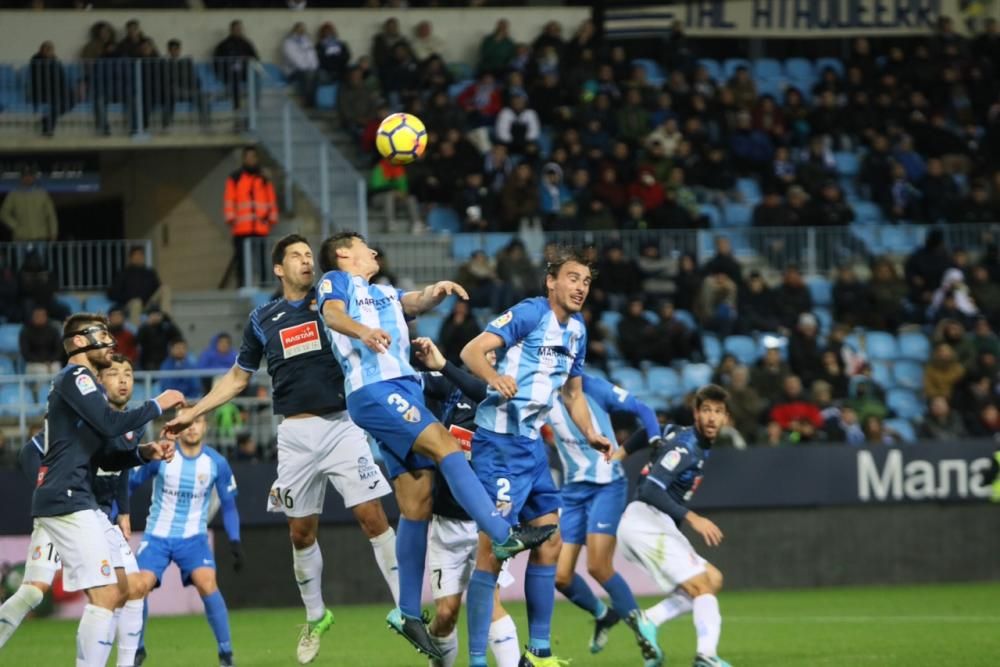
(419, 302)
(226, 389)
(430, 356)
(576, 404)
(335, 316)
(225, 486)
(474, 358)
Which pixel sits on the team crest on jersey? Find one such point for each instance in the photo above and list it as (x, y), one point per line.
(105, 568)
(130, 436)
(37, 553)
(412, 415)
(300, 339)
(85, 384)
(312, 305)
(203, 478)
(671, 459)
(326, 287)
(504, 507)
(503, 320)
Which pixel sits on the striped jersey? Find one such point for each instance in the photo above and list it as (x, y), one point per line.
(182, 492)
(580, 461)
(541, 355)
(375, 306)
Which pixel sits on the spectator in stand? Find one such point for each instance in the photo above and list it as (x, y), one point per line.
(724, 262)
(356, 104)
(497, 49)
(129, 47)
(460, 327)
(672, 339)
(751, 149)
(519, 277)
(795, 412)
(137, 287)
(154, 337)
(555, 197)
(768, 376)
(817, 166)
(400, 77)
(28, 211)
(943, 372)
(849, 296)
(941, 423)
(632, 118)
(618, 275)
(877, 433)
(425, 43)
(301, 62)
(597, 336)
(40, 344)
(49, 87)
(987, 422)
(182, 84)
(742, 87)
(876, 169)
(646, 189)
(125, 341)
(792, 297)
(886, 292)
(218, 356)
(986, 295)
(476, 205)
(389, 183)
(384, 42)
(804, 354)
(250, 208)
(939, 194)
(635, 332)
(180, 360)
(334, 54)
(757, 308)
(10, 307)
(101, 36)
(771, 211)
(953, 300)
(517, 125)
(716, 305)
(435, 78)
(231, 61)
(519, 200)
(246, 449)
(481, 100)
(833, 374)
(36, 287)
(745, 404)
(830, 209)
(913, 163)
(977, 208)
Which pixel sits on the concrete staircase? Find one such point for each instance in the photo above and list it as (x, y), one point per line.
(203, 314)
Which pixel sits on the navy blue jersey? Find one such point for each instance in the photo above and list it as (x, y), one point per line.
(450, 390)
(79, 424)
(293, 339)
(110, 486)
(675, 471)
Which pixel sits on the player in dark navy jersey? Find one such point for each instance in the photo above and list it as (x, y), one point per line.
(649, 534)
(455, 394)
(317, 441)
(79, 424)
(111, 493)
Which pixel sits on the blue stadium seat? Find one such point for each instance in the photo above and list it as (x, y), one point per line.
(711, 348)
(140, 394)
(664, 380)
(904, 403)
(495, 241)
(821, 290)
(7, 366)
(903, 429)
(825, 318)
(711, 211)
(429, 325)
(463, 245)
(261, 297)
(773, 87)
(444, 219)
(867, 212)
(455, 89)
(848, 163)
(462, 71)
(833, 63)
(594, 371)
(275, 75)
(654, 73)
(881, 345)
(749, 188)
(206, 76)
(695, 376)
(610, 319)
(326, 96)
(730, 65)
(908, 375)
(901, 239)
(767, 68)
(72, 302)
(8, 339)
(913, 345)
(799, 68)
(98, 303)
(771, 339)
(712, 67)
(737, 215)
(686, 318)
(882, 374)
(629, 379)
(651, 317)
(545, 142)
(744, 348)
(11, 400)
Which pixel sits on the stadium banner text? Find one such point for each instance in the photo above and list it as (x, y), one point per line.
(790, 18)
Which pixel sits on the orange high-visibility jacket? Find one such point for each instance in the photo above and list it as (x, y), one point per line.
(250, 205)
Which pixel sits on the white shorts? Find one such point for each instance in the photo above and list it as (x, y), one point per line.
(44, 560)
(84, 542)
(451, 555)
(313, 450)
(651, 539)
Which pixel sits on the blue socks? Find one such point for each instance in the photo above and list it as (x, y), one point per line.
(540, 595)
(480, 610)
(579, 593)
(411, 557)
(622, 599)
(218, 618)
(471, 495)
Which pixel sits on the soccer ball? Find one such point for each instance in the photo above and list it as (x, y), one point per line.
(401, 138)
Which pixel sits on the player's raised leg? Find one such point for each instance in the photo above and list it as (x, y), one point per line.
(39, 571)
(679, 602)
(702, 590)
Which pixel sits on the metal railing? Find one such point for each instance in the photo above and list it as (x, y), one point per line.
(76, 265)
(23, 399)
(128, 96)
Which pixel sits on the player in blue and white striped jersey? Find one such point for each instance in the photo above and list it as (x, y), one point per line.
(385, 398)
(594, 496)
(177, 527)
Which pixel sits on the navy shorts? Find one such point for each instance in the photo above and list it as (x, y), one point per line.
(393, 412)
(515, 472)
(591, 508)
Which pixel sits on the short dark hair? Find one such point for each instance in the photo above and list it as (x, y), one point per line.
(79, 321)
(562, 256)
(250, 149)
(278, 252)
(122, 359)
(711, 392)
(328, 251)
(174, 42)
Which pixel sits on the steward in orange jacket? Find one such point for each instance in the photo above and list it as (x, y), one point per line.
(250, 205)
